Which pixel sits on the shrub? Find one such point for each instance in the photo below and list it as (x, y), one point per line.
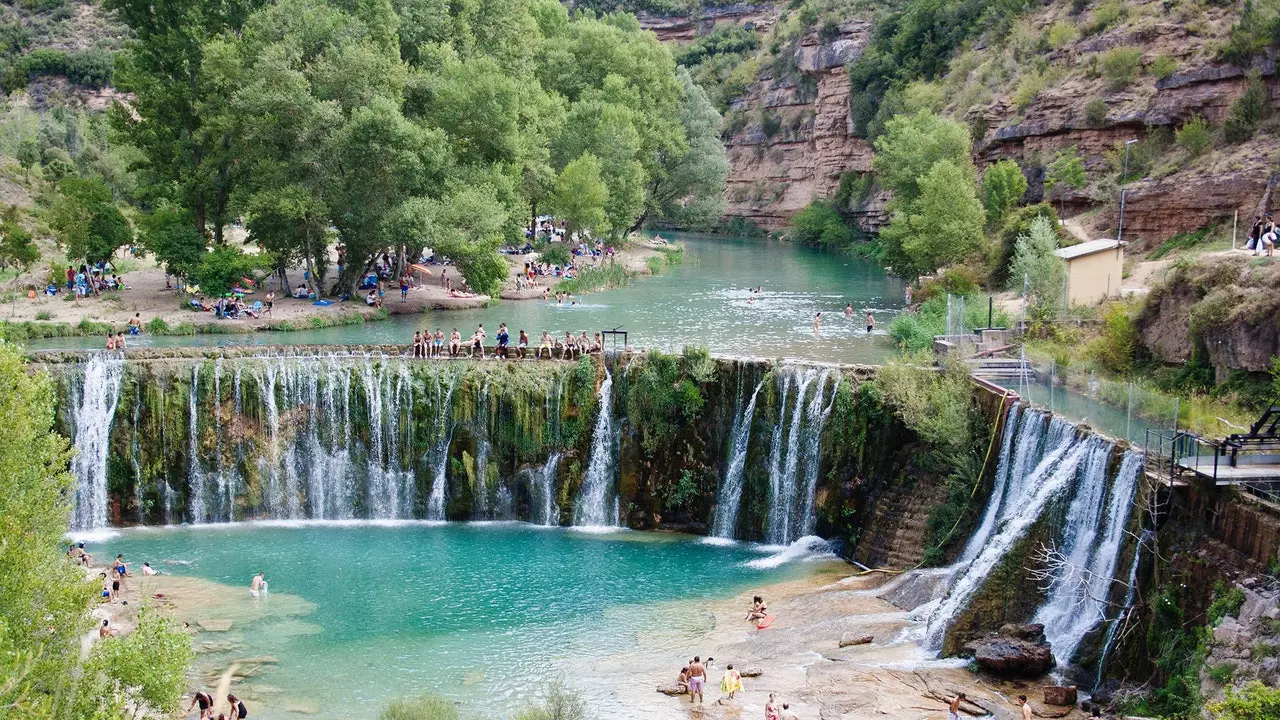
(1003, 186)
(1114, 348)
(1222, 673)
(44, 315)
(1106, 14)
(1247, 112)
(1095, 112)
(1120, 65)
(1251, 702)
(1194, 136)
(427, 707)
(1037, 271)
(1258, 27)
(821, 225)
(1163, 66)
(1061, 34)
(1030, 85)
(158, 326)
(555, 254)
(559, 703)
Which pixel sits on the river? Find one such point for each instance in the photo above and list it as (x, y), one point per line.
(706, 301)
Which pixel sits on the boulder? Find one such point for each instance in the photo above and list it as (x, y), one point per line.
(672, 690)
(1059, 695)
(753, 671)
(1019, 651)
(850, 639)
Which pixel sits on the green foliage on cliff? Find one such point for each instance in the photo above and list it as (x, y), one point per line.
(820, 224)
(1254, 701)
(666, 394)
(918, 40)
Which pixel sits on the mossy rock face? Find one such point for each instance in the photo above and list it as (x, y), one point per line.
(1009, 595)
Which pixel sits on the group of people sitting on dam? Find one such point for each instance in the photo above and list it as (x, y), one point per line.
(428, 344)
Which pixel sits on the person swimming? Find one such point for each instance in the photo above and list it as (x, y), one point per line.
(258, 585)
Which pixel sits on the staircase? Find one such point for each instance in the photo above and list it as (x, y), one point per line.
(998, 369)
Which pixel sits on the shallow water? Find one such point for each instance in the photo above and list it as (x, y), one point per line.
(706, 301)
(484, 614)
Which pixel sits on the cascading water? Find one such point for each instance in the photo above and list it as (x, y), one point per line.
(806, 520)
(730, 498)
(1130, 595)
(1001, 486)
(1050, 480)
(1078, 598)
(99, 392)
(480, 491)
(544, 492)
(596, 505)
(442, 429)
(783, 524)
(195, 473)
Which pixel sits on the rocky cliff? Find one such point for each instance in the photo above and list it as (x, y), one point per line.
(1043, 88)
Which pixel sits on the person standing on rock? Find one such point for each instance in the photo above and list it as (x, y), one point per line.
(697, 679)
(1026, 707)
(953, 712)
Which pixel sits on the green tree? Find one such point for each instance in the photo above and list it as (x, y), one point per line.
(28, 156)
(44, 612)
(689, 193)
(1037, 271)
(820, 225)
(223, 267)
(581, 194)
(17, 249)
(1067, 171)
(87, 222)
(942, 225)
(161, 678)
(169, 233)
(910, 147)
(1247, 111)
(1003, 186)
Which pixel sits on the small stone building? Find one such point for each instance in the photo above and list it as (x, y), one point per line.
(1094, 270)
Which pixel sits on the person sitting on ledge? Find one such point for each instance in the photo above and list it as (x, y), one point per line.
(758, 609)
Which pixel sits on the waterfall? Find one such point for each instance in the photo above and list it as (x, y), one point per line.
(1078, 598)
(480, 488)
(979, 537)
(806, 520)
(92, 417)
(1130, 594)
(594, 500)
(1051, 478)
(442, 428)
(543, 491)
(727, 505)
(781, 527)
(195, 473)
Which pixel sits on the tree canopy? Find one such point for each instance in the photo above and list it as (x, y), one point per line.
(406, 123)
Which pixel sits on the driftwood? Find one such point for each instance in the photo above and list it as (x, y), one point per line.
(968, 706)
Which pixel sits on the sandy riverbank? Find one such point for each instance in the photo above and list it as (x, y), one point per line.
(150, 296)
(802, 663)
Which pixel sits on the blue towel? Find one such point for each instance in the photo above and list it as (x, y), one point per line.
(323, 303)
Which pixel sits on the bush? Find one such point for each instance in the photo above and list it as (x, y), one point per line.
(1254, 701)
(1106, 14)
(1163, 66)
(1095, 112)
(427, 707)
(1222, 673)
(1061, 34)
(158, 326)
(1120, 65)
(44, 315)
(1114, 348)
(90, 68)
(821, 225)
(1225, 603)
(1258, 28)
(1194, 137)
(555, 254)
(560, 703)
(1030, 85)
(1247, 112)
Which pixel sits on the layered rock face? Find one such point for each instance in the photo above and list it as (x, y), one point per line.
(798, 138)
(683, 28)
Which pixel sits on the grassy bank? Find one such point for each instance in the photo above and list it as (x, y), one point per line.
(36, 330)
(616, 275)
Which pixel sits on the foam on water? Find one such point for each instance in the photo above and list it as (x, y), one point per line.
(809, 546)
